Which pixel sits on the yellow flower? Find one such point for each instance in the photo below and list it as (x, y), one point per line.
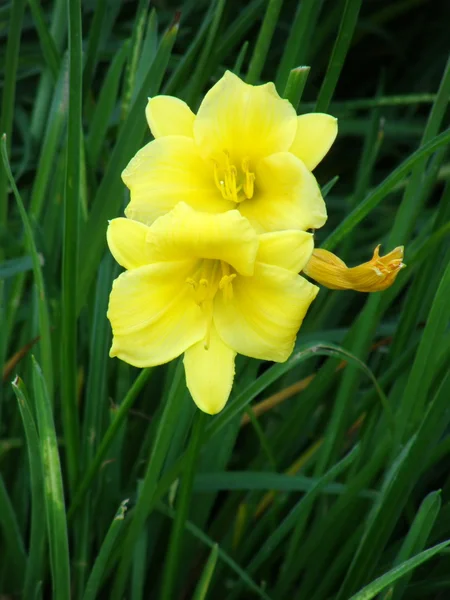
(209, 286)
(245, 149)
(376, 275)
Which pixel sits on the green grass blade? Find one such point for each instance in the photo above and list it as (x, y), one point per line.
(400, 480)
(53, 487)
(295, 85)
(13, 542)
(201, 589)
(416, 538)
(93, 45)
(109, 195)
(108, 439)
(105, 106)
(417, 388)
(8, 95)
(249, 480)
(297, 46)
(297, 516)
(383, 189)
(101, 562)
(70, 246)
(46, 41)
(159, 450)
(374, 588)
(224, 556)
(34, 572)
(182, 509)
(237, 404)
(135, 50)
(14, 266)
(202, 69)
(415, 195)
(44, 323)
(263, 42)
(50, 145)
(340, 49)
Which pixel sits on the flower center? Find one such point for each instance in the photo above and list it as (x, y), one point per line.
(235, 184)
(209, 277)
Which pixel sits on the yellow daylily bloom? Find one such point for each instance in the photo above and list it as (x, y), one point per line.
(206, 285)
(245, 149)
(376, 275)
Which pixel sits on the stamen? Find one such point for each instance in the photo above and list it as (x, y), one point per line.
(249, 180)
(234, 185)
(226, 286)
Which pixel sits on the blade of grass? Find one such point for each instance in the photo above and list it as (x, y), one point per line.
(44, 324)
(93, 45)
(34, 571)
(416, 539)
(70, 246)
(17, 559)
(262, 45)
(295, 85)
(202, 69)
(224, 556)
(374, 588)
(133, 59)
(107, 200)
(53, 488)
(383, 189)
(340, 49)
(14, 266)
(108, 439)
(105, 105)
(47, 44)
(8, 95)
(169, 577)
(158, 454)
(400, 480)
(101, 562)
(201, 589)
(296, 48)
(296, 515)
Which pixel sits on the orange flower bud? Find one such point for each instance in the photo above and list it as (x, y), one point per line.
(376, 275)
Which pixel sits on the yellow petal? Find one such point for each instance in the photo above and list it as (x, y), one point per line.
(210, 373)
(264, 313)
(167, 115)
(153, 315)
(186, 233)
(246, 121)
(127, 242)
(288, 249)
(287, 196)
(375, 275)
(315, 135)
(165, 172)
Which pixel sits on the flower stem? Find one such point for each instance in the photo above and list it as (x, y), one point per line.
(182, 509)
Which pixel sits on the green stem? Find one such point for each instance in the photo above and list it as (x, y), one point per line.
(108, 438)
(70, 246)
(176, 538)
(340, 49)
(263, 42)
(295, 85)
(9, 91)
(161, 444)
